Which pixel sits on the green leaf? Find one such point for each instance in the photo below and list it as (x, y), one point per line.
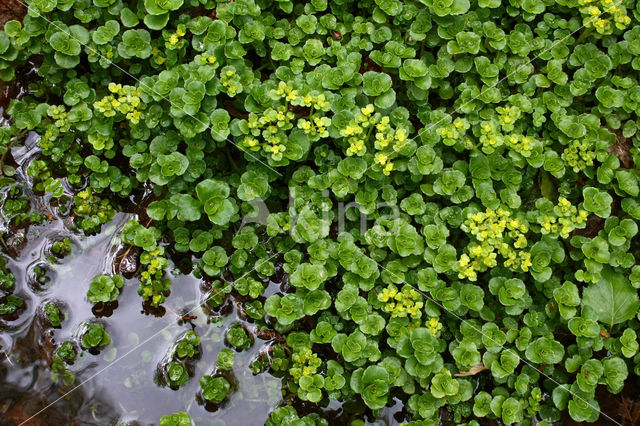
(571, 127)
(176, 419)
(253, 185)
(628, 182)
(376, 83)
(189, 209)
(372, 384)
(308, 275)
(63, 42)
(214, 389)
(596, 201)
(210, 188)
(219, 119)
(160, 7)
(156, 22)
(5, 42)
(612, 298)
(128, 18)
(95, 336)
(104, 288)
(238, 338)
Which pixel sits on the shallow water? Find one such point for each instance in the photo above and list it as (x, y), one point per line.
(116, 385)
(119, 382)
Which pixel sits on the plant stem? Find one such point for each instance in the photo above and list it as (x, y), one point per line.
(9, 145)
(5, 247)
(233, 163)
(586, 33)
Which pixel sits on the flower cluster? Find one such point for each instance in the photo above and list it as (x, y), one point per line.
(158, 57)
(604, 15)
(456, 132)
(305, 362)
(92, 210)
(315, 126)
(388, 140)
(563, 219)
(125, 100)
(59, 114)
(153, 286)
(49, 139)
(175, 40)
(406, 302)
(302, 97)
(508, 116)
(496, 232)
(579, 155)
(230, 80)
(100, 141)
(273, 124)
(269, 126)
(434, 326)
(490, 136)
(521, 144)
(206, 59)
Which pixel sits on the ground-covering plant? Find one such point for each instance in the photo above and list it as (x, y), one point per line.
(176, 419)
(94, 336)
(450, 187)
(188, 345)
(104, 288)
(63, 356)
(214, 389)
(10, 304)
(61, 248)
(237, 337)
(177, 367)
(54, 314)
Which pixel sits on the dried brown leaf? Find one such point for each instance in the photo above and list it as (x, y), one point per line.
(622, 150)
(478, 368)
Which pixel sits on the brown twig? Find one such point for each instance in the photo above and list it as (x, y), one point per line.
(234, 166)
(629, 411)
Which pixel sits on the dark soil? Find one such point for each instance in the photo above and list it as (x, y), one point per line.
(11, 9)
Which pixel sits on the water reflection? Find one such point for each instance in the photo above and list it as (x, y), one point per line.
(117, 384)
